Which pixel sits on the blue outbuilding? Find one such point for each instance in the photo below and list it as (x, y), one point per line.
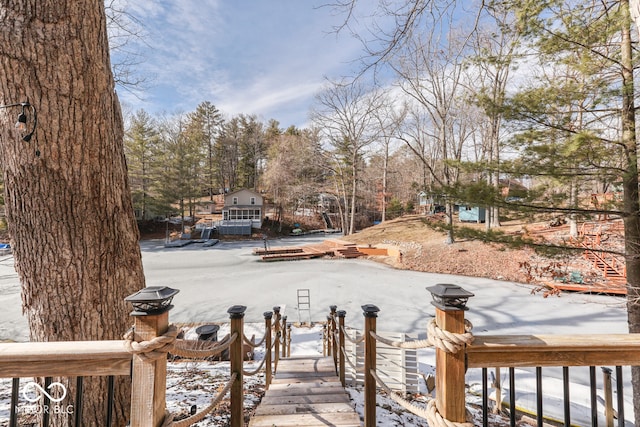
(471, 214)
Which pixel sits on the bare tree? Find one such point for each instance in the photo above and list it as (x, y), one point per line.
(346, 116)
(431, 72)
(389, 119)
(124, 29)
(68, 203)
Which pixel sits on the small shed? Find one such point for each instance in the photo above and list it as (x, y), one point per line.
(424, 199)
(472, 214)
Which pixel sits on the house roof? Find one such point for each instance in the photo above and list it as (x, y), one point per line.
(241, 190)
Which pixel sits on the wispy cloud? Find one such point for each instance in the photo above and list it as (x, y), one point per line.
(261, 59)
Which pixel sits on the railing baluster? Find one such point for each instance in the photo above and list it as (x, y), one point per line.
(540, 415)
(485, 398)
(620, 391)
(78, 409)
(110, 398)
(512, 397)
(594, 396)
(46, 402)
(567, 398)
(608, 396)
(15, 390)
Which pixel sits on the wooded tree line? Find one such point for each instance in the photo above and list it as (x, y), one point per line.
(176, 163)
(528, 94)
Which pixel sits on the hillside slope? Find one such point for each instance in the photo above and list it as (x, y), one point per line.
(424, 249)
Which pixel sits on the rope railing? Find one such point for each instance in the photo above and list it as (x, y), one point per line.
(347, 359)
(203, 353)
(444, 340)
(256, 371)
(430, 413)
(154, 348)
(414, 345)
(351, 340)
(199, 416)
(253, 344)
(150, 348)
(439, 338)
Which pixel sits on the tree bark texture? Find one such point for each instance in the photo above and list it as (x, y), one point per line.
(68, 207)
(631, 195)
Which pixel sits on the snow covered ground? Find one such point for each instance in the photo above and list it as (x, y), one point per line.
(212, 279)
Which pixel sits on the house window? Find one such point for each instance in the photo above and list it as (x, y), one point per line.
(235, 200)
(253, 200)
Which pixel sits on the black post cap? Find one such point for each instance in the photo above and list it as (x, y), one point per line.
(341, 313)
(152, 300)
(276, 309)
(236, 311)
(449, 297)
(370, 310)
(268, 314)
(333, 308)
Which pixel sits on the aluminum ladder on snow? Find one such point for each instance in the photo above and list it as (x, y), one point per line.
(304, 304)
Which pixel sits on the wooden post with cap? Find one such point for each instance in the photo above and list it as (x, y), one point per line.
(334, 340)
(236, 359)
(341, 315)
(450, 302)
(284, 336)
(276, 330)
(267, 349)
(370, 313)
(149, 377)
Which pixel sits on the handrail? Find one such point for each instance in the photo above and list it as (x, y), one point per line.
(553, 350)
(64, 359)
(461, 350)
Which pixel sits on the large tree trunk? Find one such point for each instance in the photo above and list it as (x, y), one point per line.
(631, 197)
(69, 209)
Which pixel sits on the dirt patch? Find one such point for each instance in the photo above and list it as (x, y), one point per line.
(425, 249)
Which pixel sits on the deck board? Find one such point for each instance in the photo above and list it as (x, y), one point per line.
(305, 392)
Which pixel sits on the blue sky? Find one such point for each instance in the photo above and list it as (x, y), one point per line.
(267, 58)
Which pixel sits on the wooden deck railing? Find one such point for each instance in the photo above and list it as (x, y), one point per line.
(143, 355)
(77, 360)
(64, 359)
(458, 350)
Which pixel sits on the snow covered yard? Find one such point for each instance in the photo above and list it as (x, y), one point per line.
(213, 279)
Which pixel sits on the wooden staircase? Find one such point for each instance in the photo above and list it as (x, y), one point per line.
(305, 392)
(611, 268)
(343, 249)
(330, 247)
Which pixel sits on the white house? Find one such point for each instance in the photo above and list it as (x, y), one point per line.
(243, 205)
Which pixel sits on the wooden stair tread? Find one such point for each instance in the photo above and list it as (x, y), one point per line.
(305, 392)
(302, 408)
(307, 420)
(305, 399)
